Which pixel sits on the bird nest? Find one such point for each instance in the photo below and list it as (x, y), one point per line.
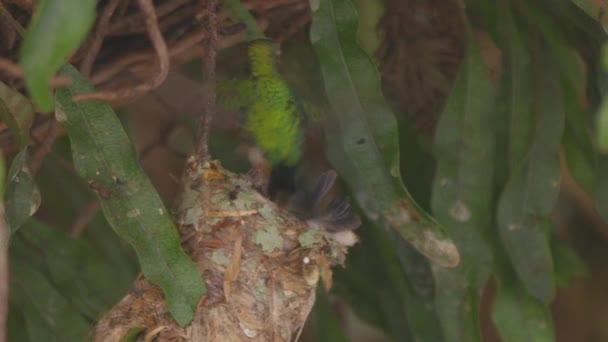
(261, 266)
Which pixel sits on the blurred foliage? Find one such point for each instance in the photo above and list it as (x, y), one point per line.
(55, 31)
(505, 145)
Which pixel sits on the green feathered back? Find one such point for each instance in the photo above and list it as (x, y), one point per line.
(274, 118)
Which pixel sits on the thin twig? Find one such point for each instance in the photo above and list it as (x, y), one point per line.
(14, 23)
(160, 47)
(296, 25)
(202, 147)
(10, 68)
(98, 37)
(4, 273)
(87, 214)
(131, 24)
(45, 146)
(124, 62)
(242, 13)
(14, 70)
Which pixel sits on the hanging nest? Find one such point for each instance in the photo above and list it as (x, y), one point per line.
(261, 266)
(420, 54)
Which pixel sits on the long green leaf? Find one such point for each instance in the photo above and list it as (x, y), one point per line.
(84, 277)
(594, 9)
(602, 127)
(363, 145)
(57, 28)
(53, 180)
(17, 112)
(518, 316)
(462, 194)
(15, 325)
(567, 263)
(600, 197)
(21, 197)
(104, 157)
(326, 324)
(48, 315)
(252, 30)
(533, 186)
(385, 130)
(370, 12)
(379, 290)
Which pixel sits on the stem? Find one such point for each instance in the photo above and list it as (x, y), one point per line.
(252, 30)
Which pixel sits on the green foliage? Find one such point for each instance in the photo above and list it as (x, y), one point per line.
(492, 183)
(363, 146)
(533, 185)
(21, 195)
(17, 112)
(51, 319)
(103, 156)
(462, 197)
(567, 263)
(498, 170)
(57, 28)
(237, 9)
(326, 325)
(595, 9)
(382, 294)
(518, 316)
(77, 284)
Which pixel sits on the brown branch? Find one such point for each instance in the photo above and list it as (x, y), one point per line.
(186, 43)
(4, 273)
(14, 70)
(263, 6)
(87, 214)
(98, 37)
(45, 146)
(160, 47)
(581, 199)
(14, 23)
(296, 25)
(10, 68)
(131, 24)
(202, 147)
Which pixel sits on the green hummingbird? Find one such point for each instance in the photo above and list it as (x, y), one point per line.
(274, 118)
